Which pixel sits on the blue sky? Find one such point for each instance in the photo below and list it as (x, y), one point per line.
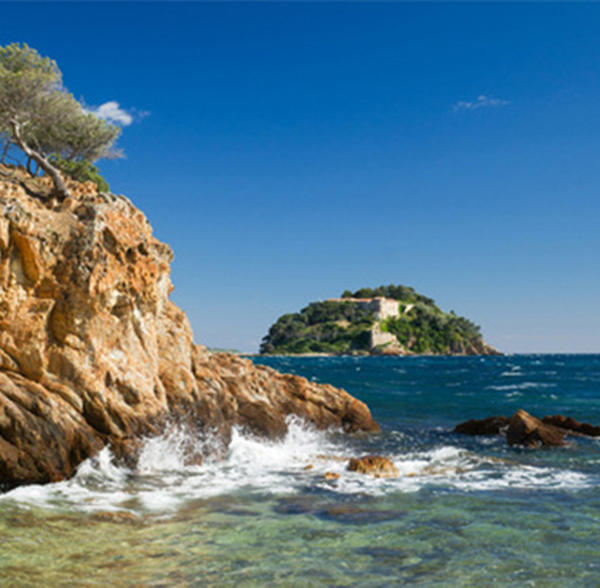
(290, 151)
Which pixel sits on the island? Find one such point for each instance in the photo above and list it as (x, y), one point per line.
(388, 320)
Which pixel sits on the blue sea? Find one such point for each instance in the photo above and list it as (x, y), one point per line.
(464, 511)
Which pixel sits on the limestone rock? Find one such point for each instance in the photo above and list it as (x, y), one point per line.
(93, 352)
(374, 465)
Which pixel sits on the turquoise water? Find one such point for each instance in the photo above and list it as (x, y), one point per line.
(464, 511)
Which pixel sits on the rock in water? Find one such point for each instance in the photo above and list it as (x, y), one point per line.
(93, 352)
(491, 426)
(524, 429)
(374, 465)
(572, 426)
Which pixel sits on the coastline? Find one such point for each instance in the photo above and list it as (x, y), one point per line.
(367, 354)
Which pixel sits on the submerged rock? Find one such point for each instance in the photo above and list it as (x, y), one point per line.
(374, 465)
(93, 352)
(115, 517)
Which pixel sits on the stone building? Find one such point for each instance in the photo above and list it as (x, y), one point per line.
(383, 308)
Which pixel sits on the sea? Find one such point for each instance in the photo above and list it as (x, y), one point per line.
(465, 511)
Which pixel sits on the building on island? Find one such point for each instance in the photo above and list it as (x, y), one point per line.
(382, 309)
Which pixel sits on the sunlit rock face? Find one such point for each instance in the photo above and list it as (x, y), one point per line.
(373, 465)
(93, 352)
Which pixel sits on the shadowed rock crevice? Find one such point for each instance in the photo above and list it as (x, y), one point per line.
(93, 352)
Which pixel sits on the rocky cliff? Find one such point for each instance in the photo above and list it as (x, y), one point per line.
(93, 352)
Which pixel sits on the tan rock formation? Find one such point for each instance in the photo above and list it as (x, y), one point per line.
(331, 475)
(92, 351)
(374, 465)
(525, 429)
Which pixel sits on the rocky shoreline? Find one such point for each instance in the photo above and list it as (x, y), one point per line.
(93, 352)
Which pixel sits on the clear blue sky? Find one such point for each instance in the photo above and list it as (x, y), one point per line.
(288, 152)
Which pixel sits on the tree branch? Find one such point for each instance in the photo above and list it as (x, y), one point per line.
(43, 163)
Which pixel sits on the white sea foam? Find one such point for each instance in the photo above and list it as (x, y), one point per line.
(98, 484)
(521, 386)
(451, 467)
(515, 370)
(164, 481)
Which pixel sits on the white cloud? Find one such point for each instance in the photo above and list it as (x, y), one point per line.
(113, 113)
(481, 102)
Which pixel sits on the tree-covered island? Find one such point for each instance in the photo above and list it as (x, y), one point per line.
(389, 320)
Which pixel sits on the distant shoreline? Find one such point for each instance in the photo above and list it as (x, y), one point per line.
(516, 353)
(328, 354)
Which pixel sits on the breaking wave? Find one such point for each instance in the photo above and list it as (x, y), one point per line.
(164, 481)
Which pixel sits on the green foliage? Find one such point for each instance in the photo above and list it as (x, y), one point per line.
(25, 77)
(321, 327)
(426, 329)
(42, 119)
(71, 132)
(404, 293)
(82, 171)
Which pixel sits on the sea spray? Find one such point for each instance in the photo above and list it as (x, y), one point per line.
(164, 479)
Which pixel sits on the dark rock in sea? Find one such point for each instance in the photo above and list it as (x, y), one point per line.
(93, 352)
(374, 465)
(571, 425)
(524, 429)
(491, 426)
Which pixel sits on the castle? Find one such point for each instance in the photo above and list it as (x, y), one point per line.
(382, 308)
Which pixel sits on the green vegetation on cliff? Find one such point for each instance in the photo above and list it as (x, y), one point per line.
(404, 293)
(427, 329)
(321, 327)
(389, 319)
(43, 126)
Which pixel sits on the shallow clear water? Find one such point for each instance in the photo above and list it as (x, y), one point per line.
(464, 511)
